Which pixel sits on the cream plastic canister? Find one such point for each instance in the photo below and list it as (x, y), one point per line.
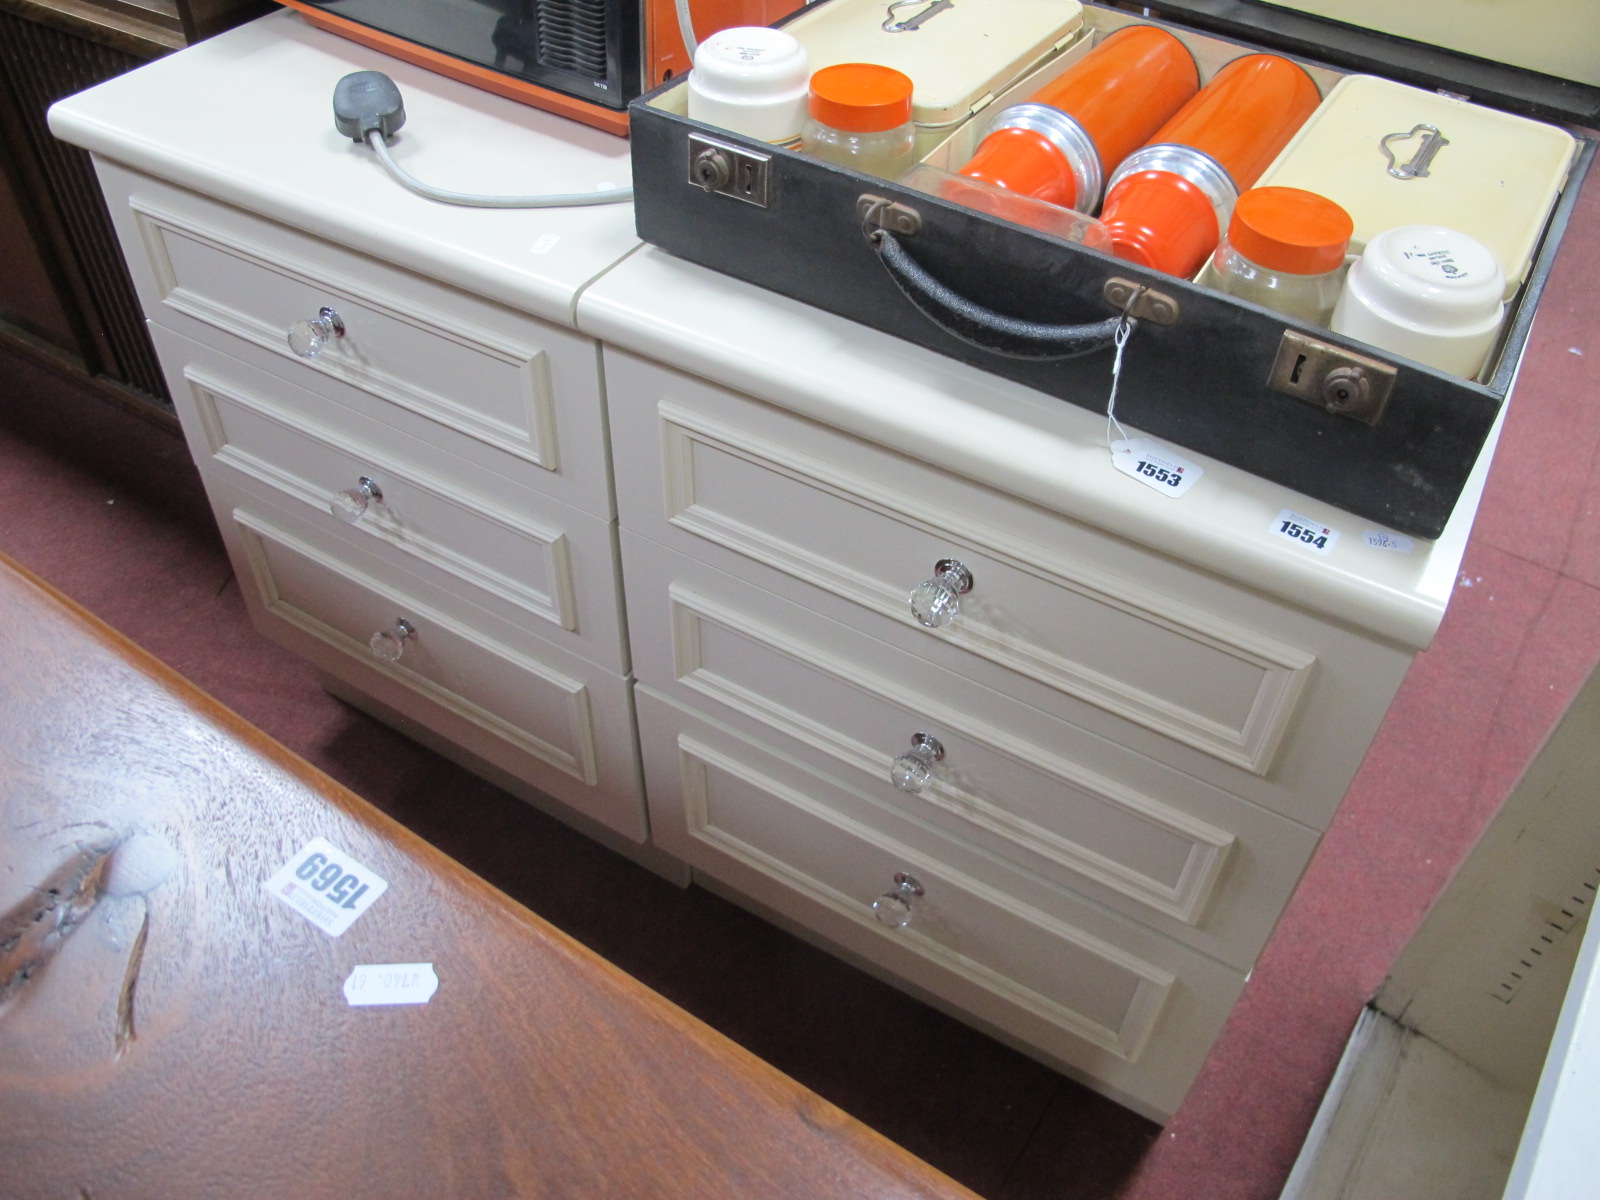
(1429, 293)
(751, 80)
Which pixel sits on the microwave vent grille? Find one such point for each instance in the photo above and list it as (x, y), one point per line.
(572, 36)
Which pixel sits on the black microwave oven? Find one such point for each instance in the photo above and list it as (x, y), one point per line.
(584, 59)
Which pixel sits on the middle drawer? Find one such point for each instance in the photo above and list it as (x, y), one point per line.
(1169, 850)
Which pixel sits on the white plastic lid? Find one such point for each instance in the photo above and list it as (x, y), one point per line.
(1431, 277)
(750, 79)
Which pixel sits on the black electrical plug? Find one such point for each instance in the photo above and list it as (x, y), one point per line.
(367, 100)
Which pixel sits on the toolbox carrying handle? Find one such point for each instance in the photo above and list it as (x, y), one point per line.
(982, 327)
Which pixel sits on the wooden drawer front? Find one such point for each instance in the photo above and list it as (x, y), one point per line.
(545, 569)
(1198, 863)
(521, 385)
(538, 710)
(1073, 982)
(857, 529)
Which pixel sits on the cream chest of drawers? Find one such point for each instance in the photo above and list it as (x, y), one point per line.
(1148, 709)
(410, 472)
(618, 531)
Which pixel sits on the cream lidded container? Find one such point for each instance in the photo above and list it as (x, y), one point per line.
(1430, 293)
(751, 80)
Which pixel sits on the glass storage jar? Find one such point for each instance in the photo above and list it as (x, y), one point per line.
(1285, 250)
(859, 116)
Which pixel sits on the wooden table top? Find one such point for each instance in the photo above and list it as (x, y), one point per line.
(168, 1029)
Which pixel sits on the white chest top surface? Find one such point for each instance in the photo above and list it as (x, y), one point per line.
(1021, 442)
(247, 117)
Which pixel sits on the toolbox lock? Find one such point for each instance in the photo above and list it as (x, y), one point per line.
(711, 169)
(1345, 389)
(722, 169)
(1341, 381)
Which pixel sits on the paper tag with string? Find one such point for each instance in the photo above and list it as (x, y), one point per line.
(1153, 465)
(1144, 459)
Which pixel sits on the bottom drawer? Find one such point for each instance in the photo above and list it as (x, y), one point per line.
(1109, 1001)
(556, 721)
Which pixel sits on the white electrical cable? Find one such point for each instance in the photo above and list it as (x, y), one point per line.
(686, 27)
(471, 200)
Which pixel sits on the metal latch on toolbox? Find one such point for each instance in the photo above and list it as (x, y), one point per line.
(729, 170)
(1331, 377)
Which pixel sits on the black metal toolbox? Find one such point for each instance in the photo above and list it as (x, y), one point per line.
(1203, 370)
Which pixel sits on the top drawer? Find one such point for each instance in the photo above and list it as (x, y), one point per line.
(521, 385)
(1216, 680)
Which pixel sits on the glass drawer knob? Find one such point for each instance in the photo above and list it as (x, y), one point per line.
(389, 644)
(309, 338)
(893, 908)
(350, 504)
(936, 602)
(913, 769)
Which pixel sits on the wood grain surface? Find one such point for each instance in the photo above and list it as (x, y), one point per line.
(190, 1038)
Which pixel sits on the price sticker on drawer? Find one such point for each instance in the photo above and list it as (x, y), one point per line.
(1153, 465)
(1394, 543)
(326, 886)
(1304, 532)
(391, 983)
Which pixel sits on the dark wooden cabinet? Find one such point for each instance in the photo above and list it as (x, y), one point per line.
(64, 294)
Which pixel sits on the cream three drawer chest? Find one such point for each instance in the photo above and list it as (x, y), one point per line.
(872, 642)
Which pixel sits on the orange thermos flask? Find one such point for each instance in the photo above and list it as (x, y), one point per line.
(1060, 144)
(1168, 203)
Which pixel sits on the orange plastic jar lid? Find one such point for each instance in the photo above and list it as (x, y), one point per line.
(860, 97)
(1291, 230)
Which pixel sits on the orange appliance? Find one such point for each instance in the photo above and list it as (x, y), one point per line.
(1061, 143)
(1168, 203)
(584, 59)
